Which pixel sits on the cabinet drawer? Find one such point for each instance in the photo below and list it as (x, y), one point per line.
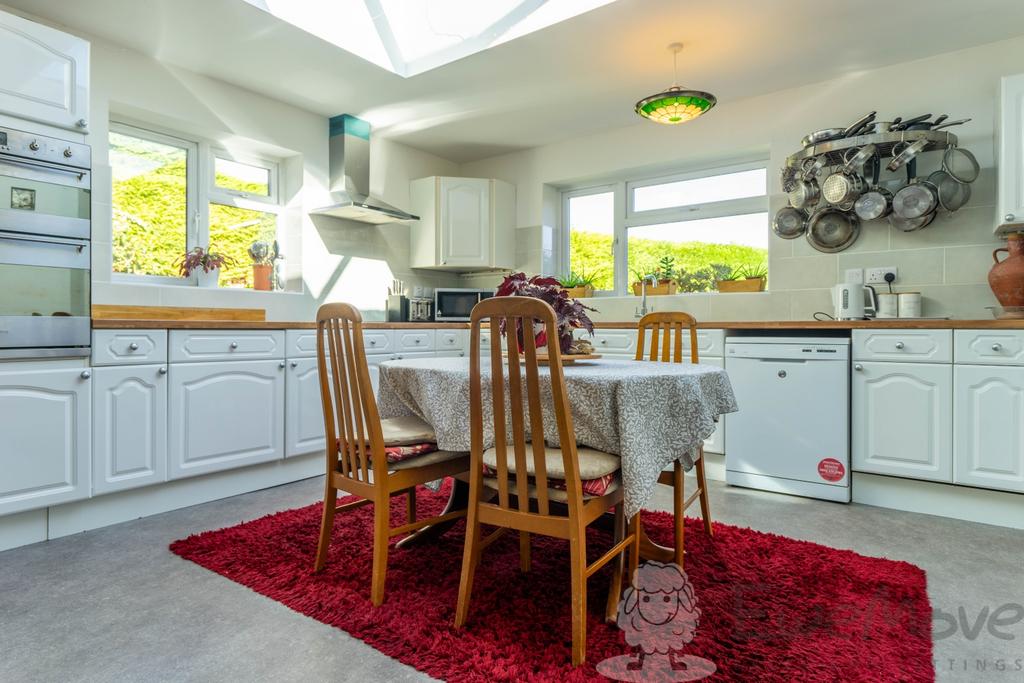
(414, 340)
(300, 343)
(989, 347)
(620, 342)
(452, 340)
(127, 347)
(378, 341)
(904, 346)
(198, 345)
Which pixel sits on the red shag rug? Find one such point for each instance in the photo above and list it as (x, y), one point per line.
(772, 608)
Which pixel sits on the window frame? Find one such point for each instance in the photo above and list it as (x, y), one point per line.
(201, 190)
(627, 217)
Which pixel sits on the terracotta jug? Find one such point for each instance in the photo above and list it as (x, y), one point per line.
(1007, 276)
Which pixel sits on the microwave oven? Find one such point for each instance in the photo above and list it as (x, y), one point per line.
(456, 305)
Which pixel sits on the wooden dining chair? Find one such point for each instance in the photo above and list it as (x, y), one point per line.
(532, 479)
(356, 441)
(666, 330)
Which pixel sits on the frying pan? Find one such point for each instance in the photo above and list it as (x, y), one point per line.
(911, 224)
(789, 223)
(823, 135)
(830, 230)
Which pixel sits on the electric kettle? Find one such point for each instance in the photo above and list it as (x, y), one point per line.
(854, 301)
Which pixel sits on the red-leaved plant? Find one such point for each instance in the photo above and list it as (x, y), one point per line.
(200, 258)
(570, 313)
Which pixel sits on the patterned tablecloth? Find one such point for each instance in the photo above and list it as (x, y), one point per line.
(649, 414)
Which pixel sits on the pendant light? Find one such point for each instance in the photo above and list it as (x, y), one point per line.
(675, 105)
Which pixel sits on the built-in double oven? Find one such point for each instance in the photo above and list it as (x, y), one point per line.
(45, 212)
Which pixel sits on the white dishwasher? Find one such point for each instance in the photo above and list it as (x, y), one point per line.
(792, 431)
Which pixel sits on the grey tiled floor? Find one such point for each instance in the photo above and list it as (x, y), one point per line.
(115, 605)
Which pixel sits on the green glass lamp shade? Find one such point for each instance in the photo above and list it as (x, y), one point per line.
(675, 105)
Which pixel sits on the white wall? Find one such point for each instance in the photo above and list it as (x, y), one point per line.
(948, 262)
(334, 259)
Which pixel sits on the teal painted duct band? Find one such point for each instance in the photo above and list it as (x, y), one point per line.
(347, 124)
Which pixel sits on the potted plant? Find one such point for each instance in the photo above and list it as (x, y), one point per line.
(578, 285)
(750, 278)
(262, 265)
(205, 264)
(665, 273)
(570, 313)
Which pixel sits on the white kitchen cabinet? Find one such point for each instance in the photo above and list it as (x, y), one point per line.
(44, 74)
(901, 419)
(44, 438)
(465, 224)
(224, 415)
(1011, 155)
(989, 427)
(304, 413)
(129, 427)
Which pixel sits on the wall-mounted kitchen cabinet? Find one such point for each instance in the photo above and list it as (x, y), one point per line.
(466, 224)
(44, 74)
(44, 438)
(1011, 155)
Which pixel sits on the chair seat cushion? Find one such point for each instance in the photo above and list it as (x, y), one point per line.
(405, 431)
(425, 459)
(592, 488)
(594, 464)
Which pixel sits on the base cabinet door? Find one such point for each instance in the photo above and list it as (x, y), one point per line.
(224, 415)
(716, 442)
(304, 414)
(44, 438)
(902, 420)
(129, 427)
(989, 427)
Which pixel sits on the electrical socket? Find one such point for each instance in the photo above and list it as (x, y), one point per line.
(854, 276)
(876, 276)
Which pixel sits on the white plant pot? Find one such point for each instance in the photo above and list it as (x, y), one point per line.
(208, 280)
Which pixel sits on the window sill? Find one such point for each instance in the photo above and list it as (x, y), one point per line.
(130, 281)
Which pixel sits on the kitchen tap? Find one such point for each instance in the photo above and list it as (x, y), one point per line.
(642, 311)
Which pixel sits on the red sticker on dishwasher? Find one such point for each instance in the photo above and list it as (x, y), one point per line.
(831, 469)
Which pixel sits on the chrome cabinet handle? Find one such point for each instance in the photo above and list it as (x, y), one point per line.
(281, 365)
(900, 345)
(295, 363)
(133, 347)
(86, 374)
(416, 341)
(997, 347)
(373, 342)
(858, 367)
(782, 374)
(234, 345)
(81, 123)
(1009, 217)
(162, 371)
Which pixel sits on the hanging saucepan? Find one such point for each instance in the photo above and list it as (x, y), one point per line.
(789, 223)
(928, 125)
(915, 199)
(831, 230)
(859, 125)
(844, 186)
(823, 135)
(897, 126)
(805, 192)
(877, 201)
(911, 224)
(960, 164)
(951, 194)
(960, 122)
(907, 151)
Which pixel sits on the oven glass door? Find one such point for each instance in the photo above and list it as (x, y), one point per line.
(44, 199)
(44, 292)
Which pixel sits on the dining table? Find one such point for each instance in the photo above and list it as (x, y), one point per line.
(650, 414)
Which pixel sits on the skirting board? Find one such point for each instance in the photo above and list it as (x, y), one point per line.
(944, 500)
(62, 520)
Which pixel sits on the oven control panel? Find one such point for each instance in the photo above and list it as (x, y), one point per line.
(19, 143)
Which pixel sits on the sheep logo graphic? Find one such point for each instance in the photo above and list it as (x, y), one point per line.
(659, 615)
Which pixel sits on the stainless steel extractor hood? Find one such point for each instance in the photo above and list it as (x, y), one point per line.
(349, 169)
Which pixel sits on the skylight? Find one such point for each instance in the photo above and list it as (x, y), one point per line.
(409, 37)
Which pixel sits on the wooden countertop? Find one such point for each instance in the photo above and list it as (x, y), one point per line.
(894, 323)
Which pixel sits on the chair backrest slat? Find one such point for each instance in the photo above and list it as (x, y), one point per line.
(355, 442)
(516, 395)
(670, 326)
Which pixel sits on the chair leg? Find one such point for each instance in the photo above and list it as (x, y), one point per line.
(381, 527)
(611, 611)
(678, 494)
(411, 506)
(705, 504)
(470, 559)
(578, 563)
(524, 551)
(634, 552)
(326, 525)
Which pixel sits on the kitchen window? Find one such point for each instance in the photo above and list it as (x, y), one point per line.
(165, 202)
(700, 226)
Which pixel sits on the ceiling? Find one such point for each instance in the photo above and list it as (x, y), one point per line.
(576, 77)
